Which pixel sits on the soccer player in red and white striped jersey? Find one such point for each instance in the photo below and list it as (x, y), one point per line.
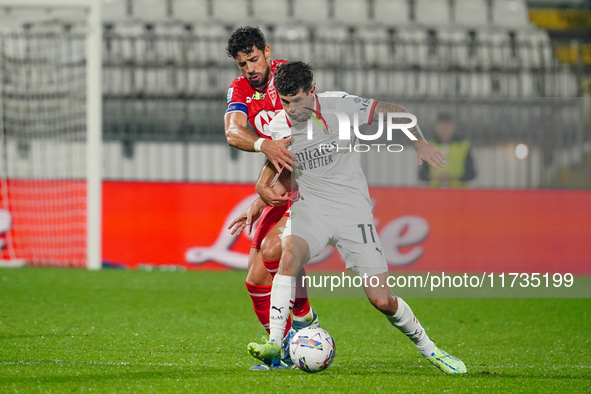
(252, 99)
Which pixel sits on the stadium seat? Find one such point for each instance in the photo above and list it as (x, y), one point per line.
(291, 42)
(391, 12)
(527, 84)
(206, 81)
(377, 46)
(191, 11)
(432, 12)
(565, 84)
(494, 49)
(474, 84)
(508, 85)
(150, 10)
(171, 42)
(128, 42)
(154, 81)
(352, 82)
(510, 14)
(351, 12)
(391, 85)
(471, 13)
(535, 48)
(414, 46)
(314, 12)
(271, 12)
(114, 10)
(207, 45)
(325, 79)
(334, 46)
(234, 12)
(453, 47)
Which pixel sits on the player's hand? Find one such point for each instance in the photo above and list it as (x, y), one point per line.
(246, 219)
(271, 197)
(278, 154)
(430, 154)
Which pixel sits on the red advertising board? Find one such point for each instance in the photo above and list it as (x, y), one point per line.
(148, 224)
(421, 229)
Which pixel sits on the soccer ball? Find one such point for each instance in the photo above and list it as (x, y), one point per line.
(312, 349)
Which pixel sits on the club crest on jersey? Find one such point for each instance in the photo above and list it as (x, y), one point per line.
(262, 120)
(257, 96)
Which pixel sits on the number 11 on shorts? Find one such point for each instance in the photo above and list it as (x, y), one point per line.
(364, 235)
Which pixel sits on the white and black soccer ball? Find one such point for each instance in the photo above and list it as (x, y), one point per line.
(312, 349)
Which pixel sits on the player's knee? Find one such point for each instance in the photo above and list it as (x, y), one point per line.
(286, 261)
(271, 249)
(384, 305)
(258, 275)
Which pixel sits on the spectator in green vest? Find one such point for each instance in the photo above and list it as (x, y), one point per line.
(459, 167)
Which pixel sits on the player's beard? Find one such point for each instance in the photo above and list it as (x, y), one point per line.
(261, 82)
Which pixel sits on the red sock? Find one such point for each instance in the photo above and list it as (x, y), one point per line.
(302, 305)
(261, 303)
(272, 266)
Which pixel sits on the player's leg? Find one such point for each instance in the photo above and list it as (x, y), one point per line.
(362, 250)
(271, 247)
(303, 314)
(258, 284)
(401, 316)
(397, 312)
(258, 280)
(295, 253)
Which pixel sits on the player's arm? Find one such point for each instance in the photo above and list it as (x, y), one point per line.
(425, 151)
(273, 186)
(246, 219)
(239, 136)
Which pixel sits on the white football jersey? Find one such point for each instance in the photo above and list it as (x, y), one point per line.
(329, 176)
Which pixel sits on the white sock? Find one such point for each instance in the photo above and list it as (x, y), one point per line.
(409, 325)
(282, 300)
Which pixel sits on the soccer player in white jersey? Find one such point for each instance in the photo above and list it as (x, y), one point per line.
(334, 207)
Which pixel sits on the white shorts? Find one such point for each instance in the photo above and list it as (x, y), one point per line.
(355, 238)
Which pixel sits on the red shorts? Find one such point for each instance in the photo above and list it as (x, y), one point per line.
(270, 217)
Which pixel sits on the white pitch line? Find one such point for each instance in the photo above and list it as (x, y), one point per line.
(98, 363)
(123, 364)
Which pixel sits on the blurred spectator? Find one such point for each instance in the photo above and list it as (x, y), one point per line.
(459, 167)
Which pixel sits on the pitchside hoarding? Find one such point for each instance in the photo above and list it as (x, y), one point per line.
(184, 225)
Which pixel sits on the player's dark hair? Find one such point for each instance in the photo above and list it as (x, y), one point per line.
(245, 39)
(292, 77)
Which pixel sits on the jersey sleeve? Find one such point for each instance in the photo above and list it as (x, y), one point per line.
(236, 98)
(350, 104)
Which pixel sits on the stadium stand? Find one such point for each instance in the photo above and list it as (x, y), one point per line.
(312, 12)
(509, 14)
(471, 13)
(432, 12)
(351, 12)
(192, 11)
(151, 10)
(165, 63)
(391, 12)
(278, 12)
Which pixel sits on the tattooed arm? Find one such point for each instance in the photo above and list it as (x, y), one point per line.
(425, 152)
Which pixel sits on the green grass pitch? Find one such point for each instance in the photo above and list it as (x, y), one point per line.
(133, 331)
